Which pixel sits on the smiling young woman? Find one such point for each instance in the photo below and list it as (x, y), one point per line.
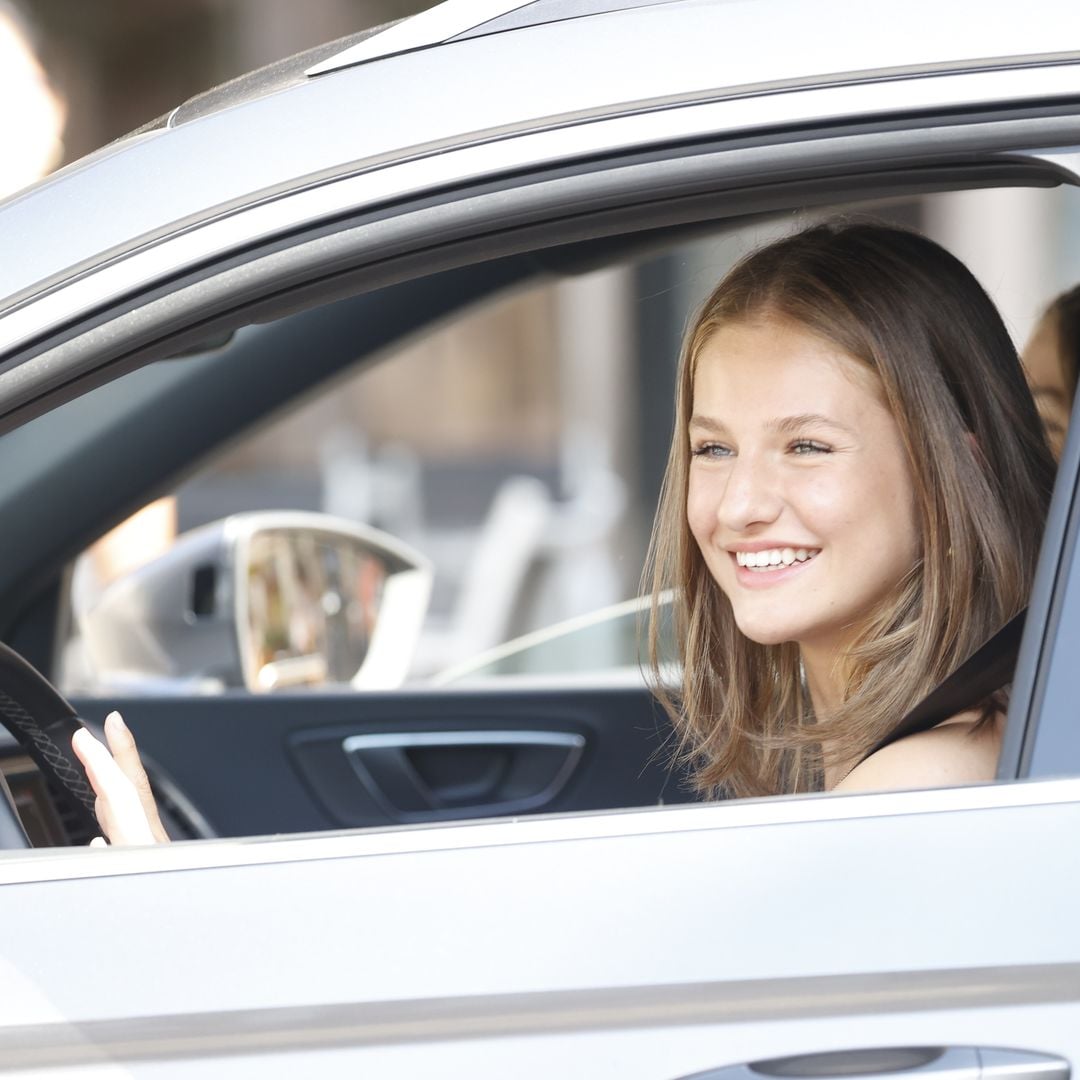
(853, 504)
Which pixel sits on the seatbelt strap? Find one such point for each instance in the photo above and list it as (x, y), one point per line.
(989, 668)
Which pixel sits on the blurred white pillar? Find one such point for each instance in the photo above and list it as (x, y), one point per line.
(597, 451)
(1009, 239)
(596, 395)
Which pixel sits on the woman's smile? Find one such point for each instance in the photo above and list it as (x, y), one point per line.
(763, 568)
(772, 557)
(800, 497)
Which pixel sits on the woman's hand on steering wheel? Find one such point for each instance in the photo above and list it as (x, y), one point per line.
(125, 804)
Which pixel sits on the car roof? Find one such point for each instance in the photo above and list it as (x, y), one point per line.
(484, 86)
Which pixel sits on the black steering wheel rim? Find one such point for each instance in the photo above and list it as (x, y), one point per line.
(42, 721)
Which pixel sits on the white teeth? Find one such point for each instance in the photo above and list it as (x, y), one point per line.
(774, 557)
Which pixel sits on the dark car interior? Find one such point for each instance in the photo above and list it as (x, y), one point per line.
(278, 765)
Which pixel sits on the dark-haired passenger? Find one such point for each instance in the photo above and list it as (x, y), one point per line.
(1052, 361)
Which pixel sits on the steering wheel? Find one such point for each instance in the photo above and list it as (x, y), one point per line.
(43, 722)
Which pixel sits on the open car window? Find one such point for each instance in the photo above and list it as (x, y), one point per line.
(394, 568)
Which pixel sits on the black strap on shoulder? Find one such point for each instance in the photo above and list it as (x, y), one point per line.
(989, 668)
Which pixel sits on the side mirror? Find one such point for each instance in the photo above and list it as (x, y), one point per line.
(263, 601)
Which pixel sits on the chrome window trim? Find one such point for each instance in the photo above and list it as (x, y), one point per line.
(65, 864)
(138, 269)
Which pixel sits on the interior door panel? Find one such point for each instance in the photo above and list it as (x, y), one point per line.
(300, 762)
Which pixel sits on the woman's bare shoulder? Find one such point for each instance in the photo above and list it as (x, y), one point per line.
(959, 751)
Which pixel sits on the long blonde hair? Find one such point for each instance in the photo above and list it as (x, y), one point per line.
(982, 477)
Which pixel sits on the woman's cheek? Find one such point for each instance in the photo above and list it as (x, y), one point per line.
(700, 516)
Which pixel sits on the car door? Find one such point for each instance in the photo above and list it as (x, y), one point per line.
(290, 764)
(915, 931)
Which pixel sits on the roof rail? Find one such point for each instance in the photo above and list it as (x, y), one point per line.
(431, 27)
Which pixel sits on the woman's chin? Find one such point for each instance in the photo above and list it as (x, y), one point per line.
(766, 633)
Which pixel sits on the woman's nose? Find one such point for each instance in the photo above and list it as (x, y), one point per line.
(751, 495)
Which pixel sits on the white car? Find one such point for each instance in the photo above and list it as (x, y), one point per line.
(479, 879)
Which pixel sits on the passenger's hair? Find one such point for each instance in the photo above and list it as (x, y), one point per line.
(982, 476)
(1064, 312)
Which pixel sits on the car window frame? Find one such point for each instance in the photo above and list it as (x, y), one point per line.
(1040, 742)
(421, 233)
(665, 151)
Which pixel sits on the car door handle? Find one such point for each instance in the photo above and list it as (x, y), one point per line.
(428, 775)
(936, 1062)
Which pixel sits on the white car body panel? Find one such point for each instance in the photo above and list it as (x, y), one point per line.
(666, 56)
(744, 931)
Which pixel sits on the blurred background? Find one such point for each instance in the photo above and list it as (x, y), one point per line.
(120, 63)
(522, 445)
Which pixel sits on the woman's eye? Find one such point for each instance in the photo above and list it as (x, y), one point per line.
(711, 450)
(809, 446)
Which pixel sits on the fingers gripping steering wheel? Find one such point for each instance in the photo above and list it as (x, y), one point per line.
(43, 722)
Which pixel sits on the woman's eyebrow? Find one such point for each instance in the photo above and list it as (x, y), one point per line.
(790, 424)
(785, 425)
(707, 424)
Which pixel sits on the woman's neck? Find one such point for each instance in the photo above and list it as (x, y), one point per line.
(824, 682)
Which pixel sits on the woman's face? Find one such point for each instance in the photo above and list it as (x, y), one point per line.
(1046, 377)
(800, 497)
